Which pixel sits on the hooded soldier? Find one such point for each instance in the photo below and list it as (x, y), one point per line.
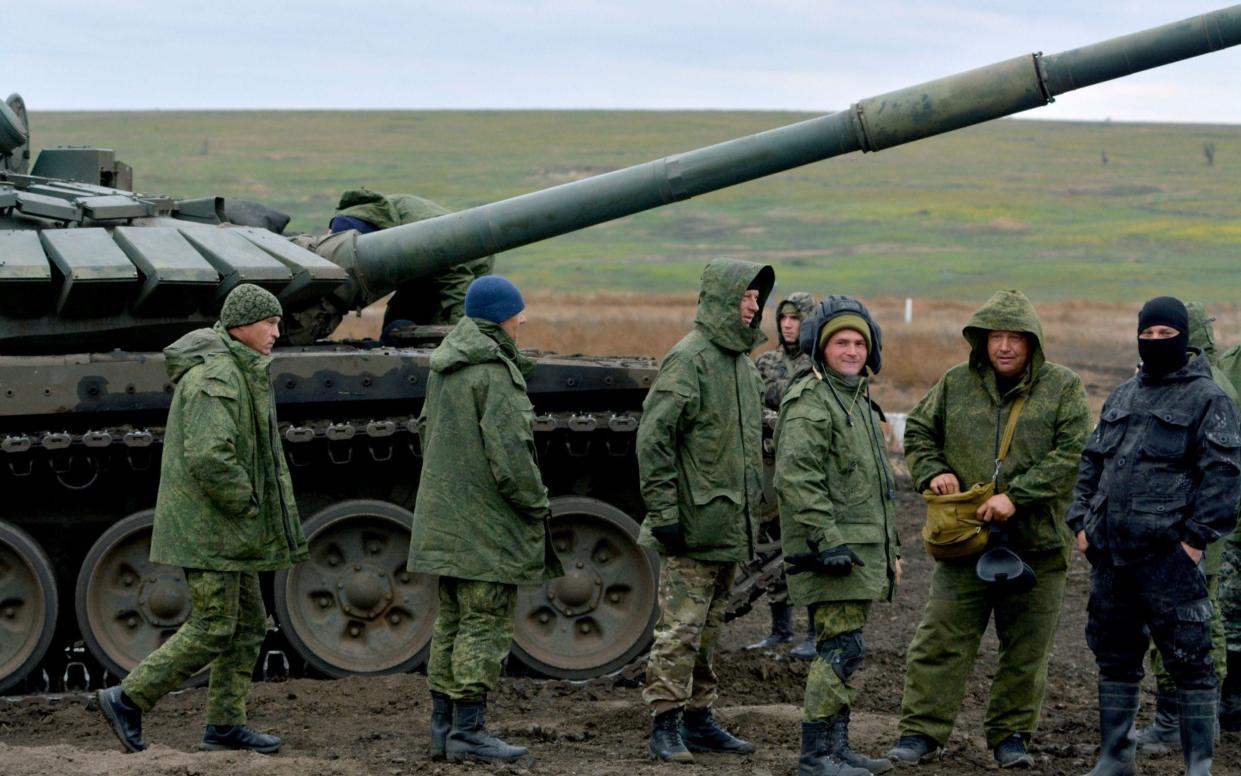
(952, 441)
(699, 452)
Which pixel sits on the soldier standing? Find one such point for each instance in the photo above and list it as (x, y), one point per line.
(1159, 481)
(699, 457)
(952, 441)
(225, 511)
(480, 522)
(1230, 592)
(837, 510)
(777, 368)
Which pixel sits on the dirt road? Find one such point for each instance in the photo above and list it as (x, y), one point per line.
(379, 726)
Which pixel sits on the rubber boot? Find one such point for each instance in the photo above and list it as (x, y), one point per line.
(701, 733)
(1164, 734)
(1197, 730)
(838, 744)
(1118, 707)
(666, 743)
(816, 756)
(781, 628)
(806, 650)
(441, 723)
(469, 740)
(1230, 695)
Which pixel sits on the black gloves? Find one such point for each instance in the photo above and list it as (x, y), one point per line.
(836, 562)
(671, 536)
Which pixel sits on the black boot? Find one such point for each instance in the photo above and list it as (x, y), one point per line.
(781, 628)
(701, 733)
(838, 745)
(123, 717)
(441, 723)
(218, 738)
(666, 743)
(806, 650)
(468, 738)
(1164, 734)
(1230, 695)
(816, 755)
(1197, 730)
(1118, 707)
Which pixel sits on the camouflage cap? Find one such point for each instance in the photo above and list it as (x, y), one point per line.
(246, 304)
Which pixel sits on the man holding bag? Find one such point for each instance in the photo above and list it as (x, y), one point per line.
(952, 442)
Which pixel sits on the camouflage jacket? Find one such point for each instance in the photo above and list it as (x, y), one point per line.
(700, 438)
(482, 508)
(835, 487)
(1163, 466)
(225, 498)
(778, 367)
(957, 427)
(437, 300)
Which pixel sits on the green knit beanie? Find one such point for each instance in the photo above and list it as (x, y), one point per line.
(246, 304)
(841, 322)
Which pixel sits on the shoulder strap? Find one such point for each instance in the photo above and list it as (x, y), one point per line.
(1011, 428)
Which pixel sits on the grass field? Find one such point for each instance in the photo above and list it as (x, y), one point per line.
(1010, 204)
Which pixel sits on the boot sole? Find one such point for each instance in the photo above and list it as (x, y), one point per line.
(684, 758)
(114, 725)
(473, 758)
(225, 748)
(708, 750)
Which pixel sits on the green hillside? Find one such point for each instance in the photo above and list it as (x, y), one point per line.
(1012, 203)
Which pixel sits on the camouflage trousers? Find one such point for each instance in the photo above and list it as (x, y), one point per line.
(693, 595)
(472, 636)
(1219, 652)
(946, 642)
(838, 637)
(225, 629)
(1230, 592)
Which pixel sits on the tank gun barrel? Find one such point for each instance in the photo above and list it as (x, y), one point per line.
(387, 259)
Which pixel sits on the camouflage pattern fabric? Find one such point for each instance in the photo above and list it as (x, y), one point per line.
(225, 499)
(778, 367)
(956, 427)
(1230, 592)
(225, 629)
(838, 638)
(699, 442)
(247, 304)
(693, 596)
(482, 508)
(472, 636)
(945, 645)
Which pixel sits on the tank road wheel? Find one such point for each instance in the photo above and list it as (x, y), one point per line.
(353, 608)
(28, 605)
(126, 605)
(599, 616)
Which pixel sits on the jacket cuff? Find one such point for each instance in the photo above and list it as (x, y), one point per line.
(667, 516)
(1194, 540)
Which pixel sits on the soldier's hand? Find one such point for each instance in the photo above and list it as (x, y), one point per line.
(671, 536)
(836, 562)
(945, 484)
(998, 508)
(1194, 554)
(1083, 543)
(900, 572)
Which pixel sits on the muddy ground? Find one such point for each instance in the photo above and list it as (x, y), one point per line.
(379, 726)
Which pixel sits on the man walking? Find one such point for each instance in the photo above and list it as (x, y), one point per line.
(225, 511)
(1159, 482)
(699, 458)
(952, 442)
(837, 509)
(480, 522)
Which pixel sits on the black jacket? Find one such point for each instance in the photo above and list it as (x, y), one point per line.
(1162, 467)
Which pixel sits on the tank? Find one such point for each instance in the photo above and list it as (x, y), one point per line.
(96, 278)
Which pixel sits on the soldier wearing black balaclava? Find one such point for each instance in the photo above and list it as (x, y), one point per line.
(1159, 480)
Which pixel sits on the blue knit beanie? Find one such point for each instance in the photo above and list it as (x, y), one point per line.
(493, 298)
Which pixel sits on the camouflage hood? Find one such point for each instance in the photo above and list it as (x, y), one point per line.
(799, 303)
(1008, 310)
(387, 211)
(202, 344)
(724, 282)
(475, 341)
(1201, 330)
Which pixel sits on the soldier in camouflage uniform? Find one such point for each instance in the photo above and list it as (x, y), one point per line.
(699, 452)
(952, 440)
(225, 511)
(837, 514)
(1164, 733)
(480, 522)
(438, 300)
(777, 368)
(1230, 590)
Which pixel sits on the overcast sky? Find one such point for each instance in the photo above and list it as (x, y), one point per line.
(812, 55)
